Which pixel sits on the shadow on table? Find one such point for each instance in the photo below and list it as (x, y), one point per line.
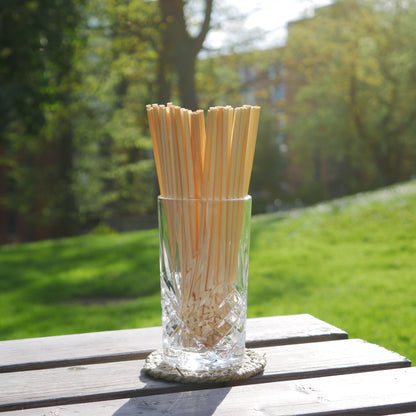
(169, 399)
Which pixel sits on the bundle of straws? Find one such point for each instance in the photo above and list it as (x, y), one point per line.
(204, 166)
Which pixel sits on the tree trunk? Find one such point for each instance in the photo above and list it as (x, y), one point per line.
(164, 86)
(186, 82)
(66, 205)
(179, 50)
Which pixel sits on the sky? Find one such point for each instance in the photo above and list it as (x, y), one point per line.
(270, 15)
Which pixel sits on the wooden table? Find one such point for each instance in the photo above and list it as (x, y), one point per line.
(312, 369)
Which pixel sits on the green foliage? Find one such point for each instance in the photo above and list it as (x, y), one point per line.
(233, 79)
(352, 120)
(349, 262)
(103, 229)
(37, 47)
(114, 168)
(244, 78)
(75, 79)
(268, 165)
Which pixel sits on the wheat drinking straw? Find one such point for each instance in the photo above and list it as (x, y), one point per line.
(203, 169)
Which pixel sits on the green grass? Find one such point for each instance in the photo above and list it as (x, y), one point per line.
(89, 283)
(350, 262)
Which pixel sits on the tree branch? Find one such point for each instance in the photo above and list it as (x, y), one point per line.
(199, 39)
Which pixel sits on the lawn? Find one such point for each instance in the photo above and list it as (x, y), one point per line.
(350, 262)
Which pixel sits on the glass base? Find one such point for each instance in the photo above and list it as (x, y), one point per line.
(206, 335)
(197, 361)
(251, 364)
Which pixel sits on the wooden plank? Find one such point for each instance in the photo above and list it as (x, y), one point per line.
(373, 393)
(290, 329)
(99, 347)
(125, 378)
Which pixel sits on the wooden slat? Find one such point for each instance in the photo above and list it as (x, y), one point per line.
(373, 393)
(290, 329)
(125, 379)
(99, 347)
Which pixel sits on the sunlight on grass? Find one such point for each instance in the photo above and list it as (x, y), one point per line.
(350, 262)
(81, 284)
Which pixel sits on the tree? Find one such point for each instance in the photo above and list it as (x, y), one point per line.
(352, 112)
(37, 47)
(75, 81)
(269, 166)
(134, 56)
(255, 77)
(178, 51)
(115, 173)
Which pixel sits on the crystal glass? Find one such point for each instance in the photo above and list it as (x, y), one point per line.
(204, 257)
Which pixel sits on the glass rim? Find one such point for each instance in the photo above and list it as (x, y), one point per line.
(168, 198)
